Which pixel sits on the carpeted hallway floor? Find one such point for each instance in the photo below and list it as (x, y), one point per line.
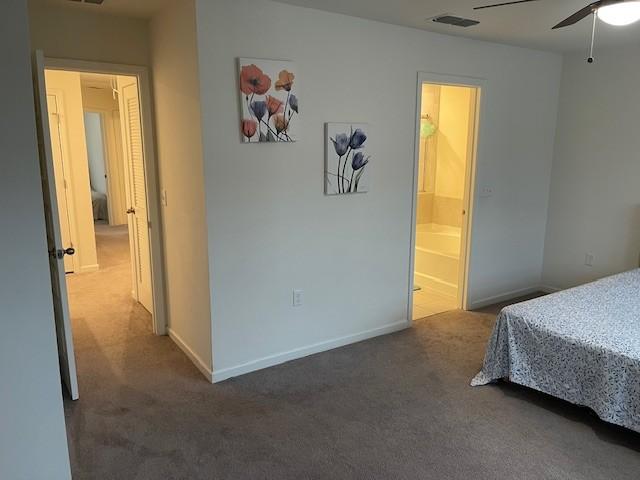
(394, 407)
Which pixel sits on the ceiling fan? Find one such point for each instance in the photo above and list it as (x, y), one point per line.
(613, 12)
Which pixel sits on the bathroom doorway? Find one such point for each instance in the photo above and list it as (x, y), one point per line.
(446, 145)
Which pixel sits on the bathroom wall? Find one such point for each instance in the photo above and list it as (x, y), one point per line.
(443, 155)
(430, 113)
(451, 154)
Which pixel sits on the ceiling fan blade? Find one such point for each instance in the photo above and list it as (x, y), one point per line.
(503, 4)
(579, 15)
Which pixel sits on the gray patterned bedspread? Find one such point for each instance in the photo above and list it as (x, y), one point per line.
(581, 345)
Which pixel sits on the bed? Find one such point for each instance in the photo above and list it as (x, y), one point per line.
(581, 345)
(99, 204)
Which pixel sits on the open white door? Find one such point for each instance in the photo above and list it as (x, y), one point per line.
(57, 250)
(61, 178)
(136, 190)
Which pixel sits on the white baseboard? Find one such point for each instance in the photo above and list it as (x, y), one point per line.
(278, 358)
(503, 297)
(193, 356)
(549, 289)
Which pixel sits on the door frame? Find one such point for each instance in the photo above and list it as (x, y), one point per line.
(470, 179)
(159, 315)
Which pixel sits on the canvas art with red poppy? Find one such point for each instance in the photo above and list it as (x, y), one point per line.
(347, 158)
(268, 100)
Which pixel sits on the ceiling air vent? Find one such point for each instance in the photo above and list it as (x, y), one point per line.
(95, 2)
(448, 19)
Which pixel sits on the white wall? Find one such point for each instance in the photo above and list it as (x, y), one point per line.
(595, 192)
(69, 33)
(95, 151)
(33, 443)
(271, 229)
(179, 140)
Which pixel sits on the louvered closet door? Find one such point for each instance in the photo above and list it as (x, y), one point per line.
(136, 193)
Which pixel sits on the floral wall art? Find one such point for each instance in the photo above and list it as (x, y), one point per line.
(346, 158)
(269, 101)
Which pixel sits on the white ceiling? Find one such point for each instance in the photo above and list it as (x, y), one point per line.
(97, 80)
(527, 24)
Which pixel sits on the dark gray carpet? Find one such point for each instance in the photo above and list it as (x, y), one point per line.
(395, 407)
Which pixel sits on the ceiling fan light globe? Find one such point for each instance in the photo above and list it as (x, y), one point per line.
(620, 14)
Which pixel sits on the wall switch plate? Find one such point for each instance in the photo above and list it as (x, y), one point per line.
(588, 259)
(486, 191)
(163, 197)
(297, 298)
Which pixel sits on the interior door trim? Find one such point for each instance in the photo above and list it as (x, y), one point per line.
(159, 313)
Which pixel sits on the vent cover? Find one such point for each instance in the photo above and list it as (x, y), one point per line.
(448, 19)
(95, 2)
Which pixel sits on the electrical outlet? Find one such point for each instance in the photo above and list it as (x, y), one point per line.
(588, 259)
(163, 197)
(297, 298)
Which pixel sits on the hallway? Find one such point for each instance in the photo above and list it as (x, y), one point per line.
(120, 362)
(103, 314)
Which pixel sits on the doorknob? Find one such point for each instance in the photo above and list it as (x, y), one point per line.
(131, 210)
(59, 253)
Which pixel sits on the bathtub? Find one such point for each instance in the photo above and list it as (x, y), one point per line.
(437, 258)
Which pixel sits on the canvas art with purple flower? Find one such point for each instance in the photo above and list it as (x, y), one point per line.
(268, 100)
(346, 158)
